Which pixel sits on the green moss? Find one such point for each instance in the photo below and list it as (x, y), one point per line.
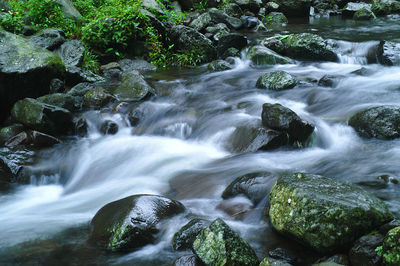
(390, 249)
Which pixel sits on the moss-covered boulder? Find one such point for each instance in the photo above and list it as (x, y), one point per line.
(324, 213)
(218, 244)
(131, 222)
(25, 70)
(184, 238)
(382, 122)
(219, 65)
(364, 14)
(96, 98)
(133, 87)
(277, 80)
(391, 247)
(278, 117)
(10, 131)
(188, 260)
(262, 56)
(385, 7)
(62, 100)
(72, 53)
(268, 261)
(275, 18)
(351, 8)
(231, 40)
(42, 117)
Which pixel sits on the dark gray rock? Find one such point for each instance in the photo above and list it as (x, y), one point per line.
(284, 255)
(268, 261)
(184, 238)
(136, 64)
(275, 18)
(10, 131)
(69, 10)
(62, 100)
(49, 39)
(249, 22)
(109, 127)
(219, 65)
(233, 10)
(294, 8)
(188, 260)
(81, 88)
(97, 98)
(363, 251)
(385, 7)
(133, 87)
(262, 56)
(388, 53)
(75, 75)
(231, 40)
(32, 138)
(230, 52)
(364, 14)
(330, 80)
(351, 8)
(56, 86)
(250, 5)
(276, 80)
(72, 53)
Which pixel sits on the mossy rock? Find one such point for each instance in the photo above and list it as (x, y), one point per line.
(218, 244)
(62, 100)
(385, 7)
(97, 97)
(133, 87)
(10, 131)
(275, 18)
(131, 222)
(391, 247)
(273, 262)
(364, 14)
(184, 238)
(262, 56)
(277, 80)
(382, 122)
(294, 8)
(219, 65)
(324, 213)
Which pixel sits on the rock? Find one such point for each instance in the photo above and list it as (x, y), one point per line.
(12, 164)
(323, 213)
(133, 87)
(56, 86)
(153, 5)
(260, 55)
(277, 80)
(271, 7)
(184, 238)
(382, 122)
(33, 138)
(391, 247)
(251, 138)
(219, 16)
(109, 127)
(385, 7)
(186, 4)
(284, 255)
(69, 10)
(131, 222)
(308, 46)
(62, 100)
(363, 251)
(249, 22)
(230, 52)
(218, 244)
(72, 53)
(137, 64)
(233, 10)
(351, 8)
(330, 80)
(231, 40)
(278, 117)
(275, 18)
(75, 75)
(25, 70)
(217, 28)
(384, 229)
(251, 5)
(219, 65)
(188, 39)
(42, 117)
(188, 260)
(388, 53)
(8, 132)
(201, 22)
(80, 89)
(96, 98)
(268, 261)
(254, 186)
(364, 14)
(338, 259)
(49, 39)
(275, 45)
(80, 126)
(294, 8)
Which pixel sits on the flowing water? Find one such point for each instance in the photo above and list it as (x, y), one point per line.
(180, 150)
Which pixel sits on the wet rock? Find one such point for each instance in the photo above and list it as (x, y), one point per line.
(96, 98)
(351, 8)
(254, 186)
(217, 28)
(364, 14)
(271, 7)
(230, 52)
(62, 100)
(232, 40)
(33, 138)
(80, 126)
(338, 259)
(184, 238)
(268, 261)
(382, 122)
(13, 162)
(131, 222)
(188, 260)
(80, 89)
(251, 138)
(10, 131)
(391, 247)
(25, 70)
(236, 208)
(109, 127)
(42, 117)
(363, 251)
(385, 7)
(278, 117)
(75, 75)
(274, 44)
(136, 64)
(56, 86)
(219, 16)
(233, 10)
(49, 39)
(249, 22)
(262, 56)
(219, 65)
(388, 53)
(389, 226)
(324, 213)
(275, 18)
(72, 53)
(330, 80)
(251, 5)
(201, 22)
(218, 244)
(277, 80)
(294, 8)
(133, 87)
(188, 39)
(283, 255)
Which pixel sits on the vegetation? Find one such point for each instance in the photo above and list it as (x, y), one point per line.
(108, 28)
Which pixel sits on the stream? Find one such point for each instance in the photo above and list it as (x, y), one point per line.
(181, 150)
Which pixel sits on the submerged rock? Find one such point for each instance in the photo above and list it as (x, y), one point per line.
(184, 238)
(131, 222)
(261, 55)
(382, 122)
(277, 80)
(391, 247)
(218, 244)
(324, 213)
(109, 127)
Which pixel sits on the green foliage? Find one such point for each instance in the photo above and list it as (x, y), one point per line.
(90, 62)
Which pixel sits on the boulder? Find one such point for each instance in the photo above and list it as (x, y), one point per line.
(133, 87)
(219, 65)
(385, 7)
(75, 75)
(12, 164)
(230, 52)
(131, 222)
(330, 80)
(218, 244)
(233, 10)
(324, 213)
(42, 117)
(188, 260)
(254, 186)
(231, 40)
(109, 127)
(294, 8)
(275, 18)
(201, 22)
(391, 247)
(268, 261)
(363, 251)
(72, 53)
(49, 39)
(25, 70)
(69, 10)
(136, 64)
(388, 53)
(219, 16)
(382, 122)
(184, 238)
(97, 98)
(32, 138)
(278, 117)
(364, 14)
(81, 88)
(62, 100)
(262, 56)
(10, 131)
(250, 5)
(188, 39)
(351, 8)
(249, 22)
(277, 80)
